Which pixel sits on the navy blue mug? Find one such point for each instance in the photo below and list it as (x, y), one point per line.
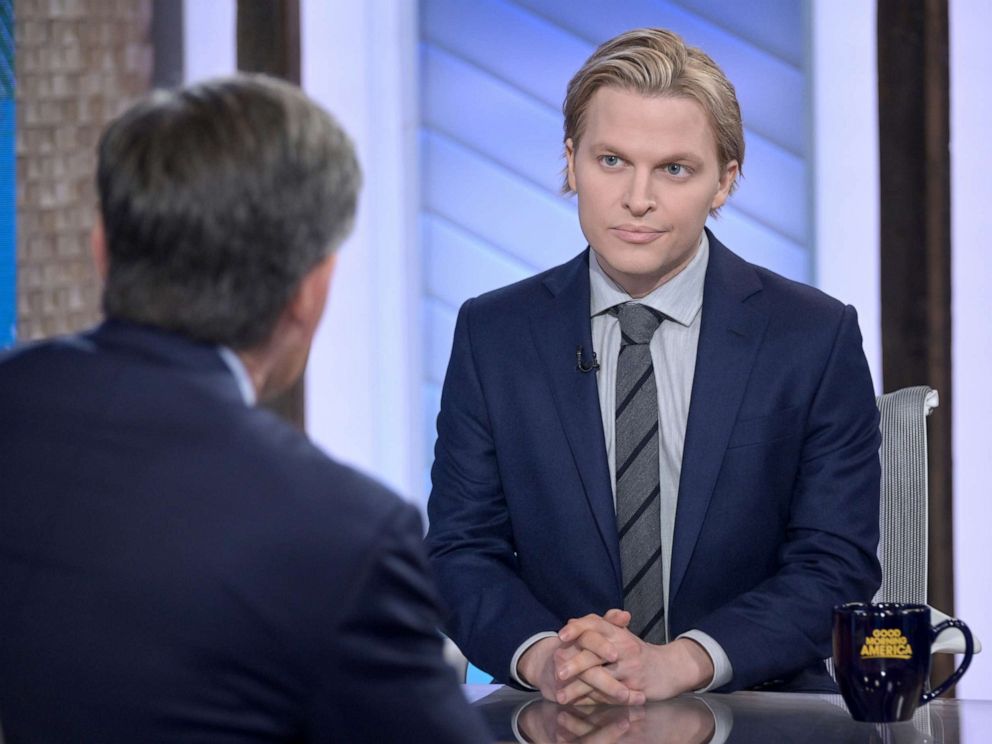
(882, 658)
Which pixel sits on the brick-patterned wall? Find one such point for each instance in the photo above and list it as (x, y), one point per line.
(79, 63)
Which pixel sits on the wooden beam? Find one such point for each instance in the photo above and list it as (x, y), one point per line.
(269, 41)
(269, 37)
(167, 44)
(914, 160)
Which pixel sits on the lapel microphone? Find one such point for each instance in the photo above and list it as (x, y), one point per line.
(581, 365)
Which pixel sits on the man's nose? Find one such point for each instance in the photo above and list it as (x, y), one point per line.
(640, 197)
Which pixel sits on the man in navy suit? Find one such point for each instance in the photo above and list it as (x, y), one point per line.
(175, 563)
(657, 464)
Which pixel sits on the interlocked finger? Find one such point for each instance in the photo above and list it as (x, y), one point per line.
(576, 664)
(600, 681)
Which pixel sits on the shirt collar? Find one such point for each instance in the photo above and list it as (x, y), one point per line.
(240, 373)
(679, 299)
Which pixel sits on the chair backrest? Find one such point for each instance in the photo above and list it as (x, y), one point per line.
(902, 547)
(902, 544)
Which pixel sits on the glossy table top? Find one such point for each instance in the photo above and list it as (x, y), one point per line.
(741, 718)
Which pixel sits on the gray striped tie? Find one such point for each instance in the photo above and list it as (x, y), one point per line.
(638, 487)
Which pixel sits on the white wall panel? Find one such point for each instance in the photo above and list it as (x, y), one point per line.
(971, 282)
(492, 116)
(440, 330)
(459, 265)
(512, 44)
(845, 163)
(774, 189)
(363, 381)
(483, 197)
(209, 39)
(760, 244)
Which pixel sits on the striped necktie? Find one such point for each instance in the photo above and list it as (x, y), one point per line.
(637, 479)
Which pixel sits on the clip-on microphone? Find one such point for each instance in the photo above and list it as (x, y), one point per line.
(581, 365)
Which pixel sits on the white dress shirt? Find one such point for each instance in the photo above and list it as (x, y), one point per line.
(240, 372)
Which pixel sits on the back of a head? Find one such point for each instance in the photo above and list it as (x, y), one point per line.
(657, 62)
(217, 199)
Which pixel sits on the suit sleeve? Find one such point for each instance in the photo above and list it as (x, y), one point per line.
(389, 675)
(491, 611)
(829, 554)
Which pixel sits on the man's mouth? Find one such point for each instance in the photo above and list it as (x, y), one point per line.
(639, 234)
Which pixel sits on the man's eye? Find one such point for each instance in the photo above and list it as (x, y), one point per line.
(610, 161)
(675, 169)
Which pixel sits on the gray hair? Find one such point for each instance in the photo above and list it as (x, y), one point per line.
(217, 199)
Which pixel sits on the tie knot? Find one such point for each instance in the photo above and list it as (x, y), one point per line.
(638, 322)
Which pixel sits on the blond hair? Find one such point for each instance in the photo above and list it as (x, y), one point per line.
(656, 62)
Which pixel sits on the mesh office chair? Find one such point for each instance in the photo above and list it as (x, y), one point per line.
(902, 547)
(903, 517)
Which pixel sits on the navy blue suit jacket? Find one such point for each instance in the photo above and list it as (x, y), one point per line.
(777, 516)
(178, 566)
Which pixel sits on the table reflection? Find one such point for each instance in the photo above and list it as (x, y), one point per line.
(741, 718)
(685, 720)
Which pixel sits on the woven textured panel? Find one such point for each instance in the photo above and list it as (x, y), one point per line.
(79, 64)
(8, 177)
(902, 547)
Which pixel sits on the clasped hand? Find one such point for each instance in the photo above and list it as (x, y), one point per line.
(596, 659)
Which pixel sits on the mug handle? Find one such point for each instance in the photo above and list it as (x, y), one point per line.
(969, 647)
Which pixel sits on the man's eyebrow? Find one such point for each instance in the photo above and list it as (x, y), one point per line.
(673, 157)
(602, 146)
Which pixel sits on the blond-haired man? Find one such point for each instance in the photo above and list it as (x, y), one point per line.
(656, 467)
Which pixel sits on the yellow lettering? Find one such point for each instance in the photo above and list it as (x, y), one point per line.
(896, 648)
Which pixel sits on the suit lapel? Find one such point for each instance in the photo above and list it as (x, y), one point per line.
(730, 334)
(559, 326)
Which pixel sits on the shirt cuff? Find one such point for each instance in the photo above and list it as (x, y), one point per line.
(723, 719)
(723, 672)
(515, 723)
(520, 652)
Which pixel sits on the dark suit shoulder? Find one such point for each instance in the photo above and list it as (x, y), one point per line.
(278, 453)
(41, 352)
(247, 474)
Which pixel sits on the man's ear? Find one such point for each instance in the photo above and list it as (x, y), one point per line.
(98, 248)
(727, 178)
(570, 163)
(306, 306)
